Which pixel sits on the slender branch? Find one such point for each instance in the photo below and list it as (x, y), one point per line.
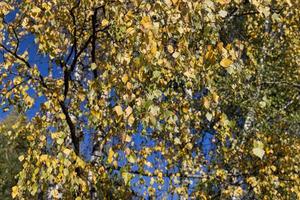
(80, 52)
(17, 85)
(18, 41)
(170, 174)
(74, 47)
(246, 13)
(72, 127)
(281, 83)
(42, 81)
(93, 52)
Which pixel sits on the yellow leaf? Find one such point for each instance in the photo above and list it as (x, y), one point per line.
(215, 97)
(225, 62)
(258, 152)
(206, 103)
(104, 22)
(66, 172)
(17, 80)
(96, 114)
(131, 158)
(93, 66)
(154, 110)
(128, 138)
(78, 198)
(223, 13)
(36, 10)
(131, 120)
(177, 141)
(54, 193)
(208, 116)
(60, 141)
(224, 1)
(176, 54)
(67, 151)
(128, 111)
(80, 162)
(258, 149)
(170, 48)
(59, 82)
(47, 104)
(15, 191)
(146, 22)
(130, 31)
(21, 158)
(62, 116)
(153, 48)
(43, 157)
(174, 2)
(29, 100)
(110, 157)
(125, 78)
(81, 96)
(30, 138)
(115, 163)
(118, 110)
(129, 85)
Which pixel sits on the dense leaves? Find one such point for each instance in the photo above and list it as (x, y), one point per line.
(170, 94)
(12, 146)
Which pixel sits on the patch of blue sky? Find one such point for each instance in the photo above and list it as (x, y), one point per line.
(86, 145)
(122, 160)
(11, 15)
(134, 167)
(158, 160)
(208, 145)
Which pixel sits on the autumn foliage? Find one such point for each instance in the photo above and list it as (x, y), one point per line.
(150, 83)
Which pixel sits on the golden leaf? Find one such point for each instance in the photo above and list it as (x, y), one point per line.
(224, 1)
(208, 116)
(62, 116)
(131, 158)
(54, 193)
(258, 149)
(128, 138)
(104, 22)
(129, 85)
(225, 62)
(146, 22)
(128, 111)
(125, 78)
(131, 120)
(206, 103)
(110, 157)
(174, 2)
(118, 110)
(93, 66)
(36, 10)
(130, 31)
(21, 158)
(29, 100)
(67, 151)
(170, 48)
(15, 191)
(60, 141)
(176, 54)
